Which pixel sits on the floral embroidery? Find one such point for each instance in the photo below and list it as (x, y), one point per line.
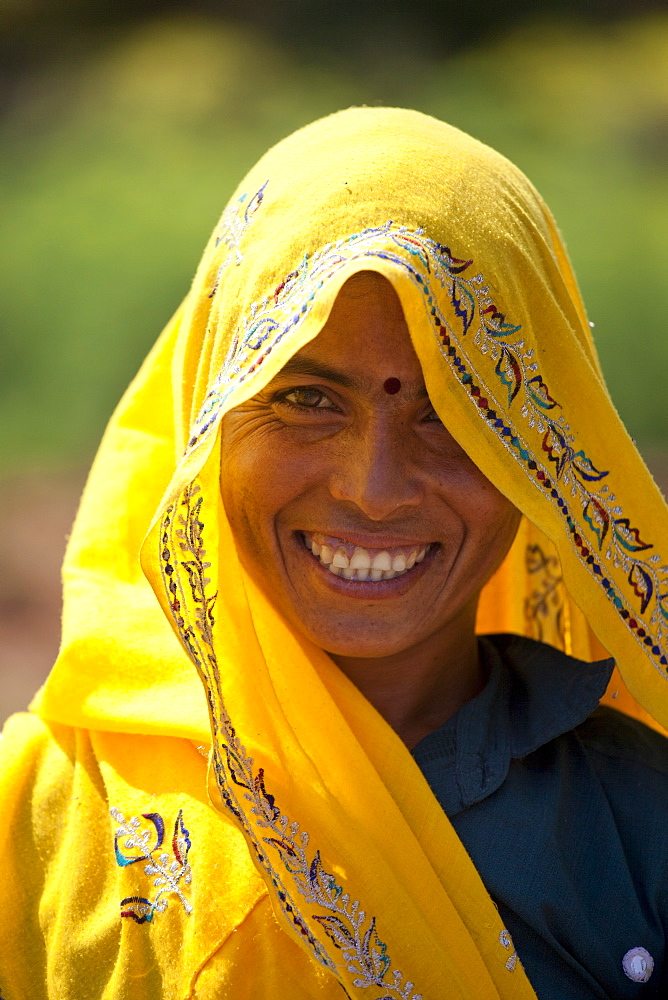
(135, 842)
(346, 925)
(575, 470)
(234, 223)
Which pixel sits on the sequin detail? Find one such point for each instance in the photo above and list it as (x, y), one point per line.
(134, 842)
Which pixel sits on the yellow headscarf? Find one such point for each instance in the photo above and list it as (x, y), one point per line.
(363, 867)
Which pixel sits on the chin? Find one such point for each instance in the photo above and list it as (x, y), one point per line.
(356, 643)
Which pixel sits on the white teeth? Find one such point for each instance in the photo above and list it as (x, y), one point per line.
(382, 561)
(360, 559)
(361, 566)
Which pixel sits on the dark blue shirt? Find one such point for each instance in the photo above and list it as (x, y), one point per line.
(563, 807)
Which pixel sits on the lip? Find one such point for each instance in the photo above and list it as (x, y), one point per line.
(374, 541)
(369, 590)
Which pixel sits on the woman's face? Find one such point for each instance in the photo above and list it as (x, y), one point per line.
(351, 504)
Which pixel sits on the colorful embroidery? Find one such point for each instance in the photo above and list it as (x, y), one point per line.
(133, 842)
(345, 924)
(600, 531)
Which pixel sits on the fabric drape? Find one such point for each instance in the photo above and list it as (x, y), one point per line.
(364, 871)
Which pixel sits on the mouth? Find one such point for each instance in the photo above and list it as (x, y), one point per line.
(350, 561)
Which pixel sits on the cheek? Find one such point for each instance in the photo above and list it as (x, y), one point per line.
(490, 520)
(262, 473)
(493, 522)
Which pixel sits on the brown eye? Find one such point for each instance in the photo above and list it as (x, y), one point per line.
(307, 397)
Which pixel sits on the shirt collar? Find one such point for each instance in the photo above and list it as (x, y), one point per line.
(534, 694)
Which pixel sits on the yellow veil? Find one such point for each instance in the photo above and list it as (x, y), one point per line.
(363, 867)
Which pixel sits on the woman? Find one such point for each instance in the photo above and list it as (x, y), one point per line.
(375, 428)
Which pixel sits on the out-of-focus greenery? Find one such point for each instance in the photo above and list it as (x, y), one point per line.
(116, 169)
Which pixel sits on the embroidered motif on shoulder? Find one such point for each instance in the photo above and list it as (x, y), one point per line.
(133, 842)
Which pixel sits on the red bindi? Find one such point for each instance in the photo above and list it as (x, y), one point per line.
(391, 385)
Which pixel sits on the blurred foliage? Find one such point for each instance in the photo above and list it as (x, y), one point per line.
(118, 163)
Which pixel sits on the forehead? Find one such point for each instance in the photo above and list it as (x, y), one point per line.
(365, 338)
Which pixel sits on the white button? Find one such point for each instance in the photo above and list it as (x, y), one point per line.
(638, 964)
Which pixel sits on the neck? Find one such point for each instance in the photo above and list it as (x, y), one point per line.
(420, 688)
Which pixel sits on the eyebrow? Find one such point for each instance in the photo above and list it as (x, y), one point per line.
(315, 369)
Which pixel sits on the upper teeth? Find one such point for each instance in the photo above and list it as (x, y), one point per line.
(361, 563)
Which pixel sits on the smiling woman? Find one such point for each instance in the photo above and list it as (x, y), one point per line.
(375, 532)
(354, 536)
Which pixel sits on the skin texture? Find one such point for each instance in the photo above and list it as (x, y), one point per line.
(324, 448)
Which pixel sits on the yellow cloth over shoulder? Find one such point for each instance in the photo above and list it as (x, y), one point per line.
(322, 815)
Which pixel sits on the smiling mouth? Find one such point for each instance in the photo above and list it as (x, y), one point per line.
(354, 562)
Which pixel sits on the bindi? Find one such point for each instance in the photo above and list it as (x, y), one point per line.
(391, 386)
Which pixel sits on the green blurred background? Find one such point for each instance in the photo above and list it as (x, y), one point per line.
(126, 125)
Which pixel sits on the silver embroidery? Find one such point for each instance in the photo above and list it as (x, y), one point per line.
(135, 841)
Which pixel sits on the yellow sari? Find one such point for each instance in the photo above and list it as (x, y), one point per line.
(325, 862)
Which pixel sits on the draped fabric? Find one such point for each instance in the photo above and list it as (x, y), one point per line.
(363, 868)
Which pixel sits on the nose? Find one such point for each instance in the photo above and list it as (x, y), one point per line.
(376, 470)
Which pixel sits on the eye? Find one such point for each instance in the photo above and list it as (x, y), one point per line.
(306, 397)
(432, 417)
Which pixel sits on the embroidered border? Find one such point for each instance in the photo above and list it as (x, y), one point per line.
(346, 925)
(575, 470)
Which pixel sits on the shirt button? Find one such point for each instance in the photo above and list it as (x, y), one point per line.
(638, 964)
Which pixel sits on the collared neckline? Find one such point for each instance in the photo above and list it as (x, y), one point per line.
(534, 693)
